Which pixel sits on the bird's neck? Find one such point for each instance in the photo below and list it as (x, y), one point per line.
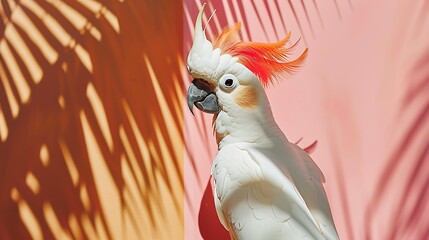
(256, 126)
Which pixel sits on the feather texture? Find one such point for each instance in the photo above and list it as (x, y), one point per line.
(258, 196)
(265, 60)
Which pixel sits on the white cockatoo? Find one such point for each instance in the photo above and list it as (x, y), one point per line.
(265, 186)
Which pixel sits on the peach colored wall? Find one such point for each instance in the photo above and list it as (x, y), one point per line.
(363, 94)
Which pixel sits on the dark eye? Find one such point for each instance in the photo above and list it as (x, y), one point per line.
(228, 82)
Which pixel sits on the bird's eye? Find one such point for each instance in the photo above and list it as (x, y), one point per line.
(228, 82)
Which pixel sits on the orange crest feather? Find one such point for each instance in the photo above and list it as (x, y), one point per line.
(265, 60)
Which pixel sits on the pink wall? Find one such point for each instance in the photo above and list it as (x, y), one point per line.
(362, 94)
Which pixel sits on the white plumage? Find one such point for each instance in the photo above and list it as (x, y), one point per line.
(270, 193)
(265, 186)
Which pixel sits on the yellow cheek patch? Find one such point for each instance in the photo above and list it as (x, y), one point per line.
(246, 97)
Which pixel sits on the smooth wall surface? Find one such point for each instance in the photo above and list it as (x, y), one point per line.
(362, 94)
(91, 140)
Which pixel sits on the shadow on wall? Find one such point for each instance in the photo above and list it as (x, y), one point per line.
(91, 141)
(208, 222)
(375, 146)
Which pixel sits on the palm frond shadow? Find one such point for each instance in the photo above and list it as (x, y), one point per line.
(414, 193)
(407, 219)
(91, 141)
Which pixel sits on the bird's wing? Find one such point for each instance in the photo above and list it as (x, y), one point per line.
(257, 199)
(309, 180)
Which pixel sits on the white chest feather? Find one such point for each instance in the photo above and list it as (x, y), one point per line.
(254, 205)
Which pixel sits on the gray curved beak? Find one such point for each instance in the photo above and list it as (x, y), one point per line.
(200, 95)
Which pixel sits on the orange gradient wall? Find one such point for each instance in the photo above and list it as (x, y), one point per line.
(91, 139)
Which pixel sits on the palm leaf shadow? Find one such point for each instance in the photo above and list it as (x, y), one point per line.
(414, 193)
(92, 132)
(407, 220)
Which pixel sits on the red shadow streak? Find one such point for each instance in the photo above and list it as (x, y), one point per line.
(208, 222)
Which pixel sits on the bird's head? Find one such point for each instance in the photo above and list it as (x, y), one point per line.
(229, 74)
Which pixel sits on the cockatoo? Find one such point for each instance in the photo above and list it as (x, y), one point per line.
(265, 186)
